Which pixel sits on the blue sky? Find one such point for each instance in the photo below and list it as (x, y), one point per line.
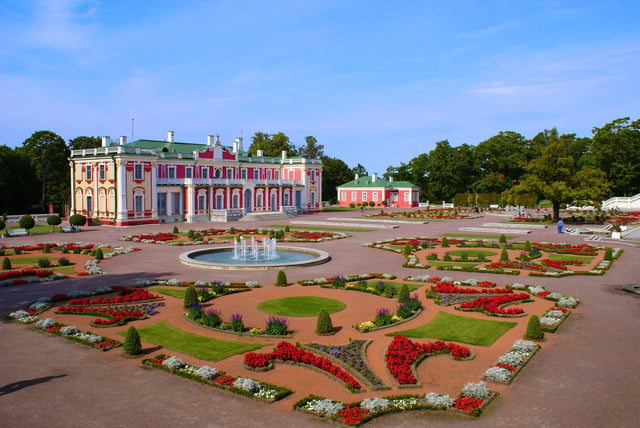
(376, 82)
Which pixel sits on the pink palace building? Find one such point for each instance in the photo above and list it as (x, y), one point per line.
(155, 181)
(381, 192)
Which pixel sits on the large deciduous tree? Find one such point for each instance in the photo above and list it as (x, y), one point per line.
(616, 150)
(84, 142)
(48, 154)
(499, 161)
(311, 149)
(335, 172)
(556, 175)
(19, 189)
(271, 144)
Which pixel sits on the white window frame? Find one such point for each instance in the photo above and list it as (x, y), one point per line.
(138, 172)
(354, 196)
(101, 172)
(375, 196)
(171, 172)
(364, 196)
(87, 172)
(188, 172)
(407, 196)
(204, 172)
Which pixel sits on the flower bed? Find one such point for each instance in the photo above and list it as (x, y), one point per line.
(403, 355)
(209, 376)
(493, 305)
(353, 356)
(108, 317)
(553, 319)
(126, 295)
(286, 352)
(510, 363)
(339, 281)
(72, 333)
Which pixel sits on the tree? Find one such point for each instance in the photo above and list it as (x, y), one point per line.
(84, 142)
(335, 172)
(499, 161)
(324, 325)
(272, 145)
(2, 224)
(132, 345)
(281, 279)
(27, 222)
(360, 170)
(19, 188)
(77, 220)
(48, 155)
(312, 150)
(554, 175)
(615, 149)
(443, 177)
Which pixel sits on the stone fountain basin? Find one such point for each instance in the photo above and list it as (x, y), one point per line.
(318, 257)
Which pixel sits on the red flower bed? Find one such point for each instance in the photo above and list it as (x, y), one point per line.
(583, 249)
(162, 236)
(467, 404)
(402, 352)
(492, 304)
(311, 235)
(352, 415)
(449, 288)
(285, 351)
(225, 380)
(499, 265)
(25, 272)
(128, 295)
(561, 264)
(543, 293)
(112, 317)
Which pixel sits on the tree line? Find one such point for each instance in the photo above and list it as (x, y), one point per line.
(560, 167)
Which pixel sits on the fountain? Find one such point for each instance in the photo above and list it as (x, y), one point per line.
(251, 255)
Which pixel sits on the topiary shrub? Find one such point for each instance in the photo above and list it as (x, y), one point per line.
(527, 245)
(372, 204)
(287, 229)
(27, 222)
(352, 205)
(608, 254)
(63, 261)
(445, 242)
(175, 230)
(53, 220)
(77, 220)
(504, 256)
(190, 297)
(403, 294)
(46, 248)
(281, 278)
(406, 250)
(98, 254)
(324, 325)
(132, 345)
(502, 239)
(534, 330)
(6, 263)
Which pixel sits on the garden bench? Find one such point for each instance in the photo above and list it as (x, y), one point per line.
(68, 229)
(17, 232)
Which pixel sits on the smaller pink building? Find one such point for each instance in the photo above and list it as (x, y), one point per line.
(380, 191)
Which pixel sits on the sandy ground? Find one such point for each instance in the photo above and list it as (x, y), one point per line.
(586, 374)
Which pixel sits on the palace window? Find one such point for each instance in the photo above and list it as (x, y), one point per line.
(101, 174)
(87, 171)
(162, 204)
(205, 172)
(187, 172)
(171, 172)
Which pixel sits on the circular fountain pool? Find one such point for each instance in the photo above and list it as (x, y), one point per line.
(228, 258)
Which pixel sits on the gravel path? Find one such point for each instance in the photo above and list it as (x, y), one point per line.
(589, 377)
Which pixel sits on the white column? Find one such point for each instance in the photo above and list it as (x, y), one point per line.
(190, 208)
(154, 190)
(121, 191)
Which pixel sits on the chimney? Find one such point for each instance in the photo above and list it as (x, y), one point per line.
(374, 177)
(170, 136)
(284, 154)
(238, 141)
(123, 140)
(357, 176)
(260, 153)
(390, 179)
(210, 140)
(106, 140)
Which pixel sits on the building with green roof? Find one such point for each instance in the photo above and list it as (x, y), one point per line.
(375, 191)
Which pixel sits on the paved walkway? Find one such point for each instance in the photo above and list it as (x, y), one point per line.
(589, 378)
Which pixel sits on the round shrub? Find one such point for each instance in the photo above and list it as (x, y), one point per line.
(281, 278)
(53, 220)
(190, 297)
(44, 263)
(324, 325)
(27, 222)
(6, 263)
(132, 345)
(63, 261)
(352, 205)
(534, 330)
(77, 220)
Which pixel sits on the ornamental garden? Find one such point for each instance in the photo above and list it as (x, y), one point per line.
(348, 347)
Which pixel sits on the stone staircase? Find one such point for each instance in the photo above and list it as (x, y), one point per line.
(266, 216)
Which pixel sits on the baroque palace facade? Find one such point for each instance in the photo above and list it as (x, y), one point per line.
(155, 181)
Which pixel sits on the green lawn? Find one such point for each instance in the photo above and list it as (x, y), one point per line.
(321, 228)
(31, 260)
(438, 263)
(563, 257)
(457, 328)
(205, 348)
(173, 292)
(304, 306)
(66, 270)
(396, 285)
(476, 235)
(472, 253)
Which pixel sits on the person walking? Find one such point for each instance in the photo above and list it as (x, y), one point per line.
(560, 225)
